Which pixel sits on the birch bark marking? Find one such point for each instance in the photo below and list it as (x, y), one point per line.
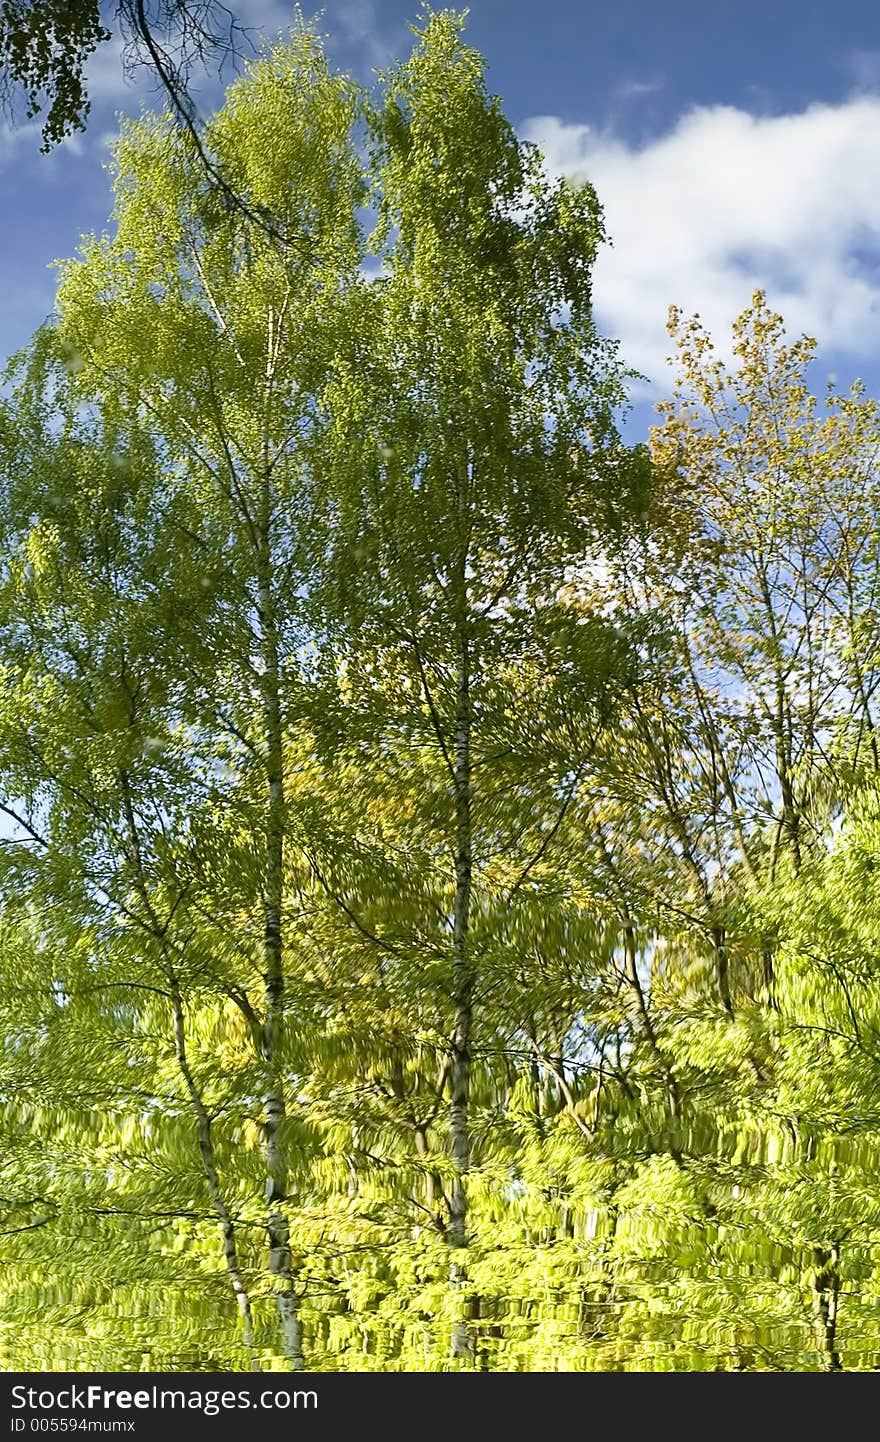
(286, 1300)
(826, 1292)
(462, 973)
(461, 977)
(273, 977)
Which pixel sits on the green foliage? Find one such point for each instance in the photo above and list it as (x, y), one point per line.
(438, 918)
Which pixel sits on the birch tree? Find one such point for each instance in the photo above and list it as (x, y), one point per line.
(436, 869)
(475, 450)
(207, 334)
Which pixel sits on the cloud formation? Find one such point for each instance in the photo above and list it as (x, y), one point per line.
(20, 148)
(358, 23)
(727, 202)
(350, 23)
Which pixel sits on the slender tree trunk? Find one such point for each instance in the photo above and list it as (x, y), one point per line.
(595, 1312)
(722, 967)
(433, 1184)
(790, 816)
(673, 1101)
(286, 1300)
(826, 1290)
(645, 1024)
(209, 1166)
(462, 982)
(203, 1120)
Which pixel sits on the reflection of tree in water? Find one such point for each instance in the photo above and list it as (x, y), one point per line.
(439, 920)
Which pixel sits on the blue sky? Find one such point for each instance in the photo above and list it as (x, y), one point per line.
(732, 144)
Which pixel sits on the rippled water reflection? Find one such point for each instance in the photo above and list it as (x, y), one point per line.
(758, 1252)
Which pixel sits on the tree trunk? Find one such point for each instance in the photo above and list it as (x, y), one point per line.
(722, 967)
(462, 983)
(215, 1191)
(203, 1120)
(673, 1101)
(826, 1289)
(286, 1300)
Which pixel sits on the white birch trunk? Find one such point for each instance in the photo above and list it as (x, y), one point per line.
(462, 982)
(286, 1300)
(215, 1191)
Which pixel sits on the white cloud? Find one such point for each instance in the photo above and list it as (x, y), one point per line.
(864, 66)
(727, 202)
(15, 138)
(268, 15)
(265, 17)
(359, 26)
(20, 147)
(107, 81)
(354, 23)
(638, 89)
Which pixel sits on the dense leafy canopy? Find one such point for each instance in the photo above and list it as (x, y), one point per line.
(438, 904)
